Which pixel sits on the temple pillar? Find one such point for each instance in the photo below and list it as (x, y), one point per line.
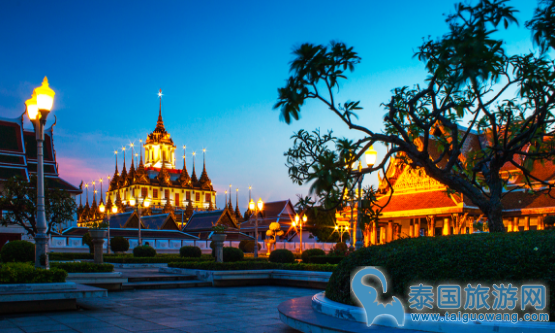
(411, 232)
(390, 231)
(540, 224)
(471, 226)
(382, 235)
(374, 235)
(514, 228)
(446, 230)
(432, 227)
(527, 223)
(417, 228)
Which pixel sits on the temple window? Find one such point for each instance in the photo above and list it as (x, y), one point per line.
(144, 192)
(177, 200)
(167, 194)
(197, 197)
(155, 193)
(188, 195)
(207, 197)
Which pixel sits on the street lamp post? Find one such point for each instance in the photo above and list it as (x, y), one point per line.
(145, 204)
(370, 156)
(256, 209)
(295, 223)
(38, 108)
(114, 210)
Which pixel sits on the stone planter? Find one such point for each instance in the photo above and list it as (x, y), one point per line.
(219, 239)
(97, 237)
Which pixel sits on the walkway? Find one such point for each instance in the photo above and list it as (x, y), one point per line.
(236, 309)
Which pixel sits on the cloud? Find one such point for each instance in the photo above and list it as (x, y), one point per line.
(74, 170)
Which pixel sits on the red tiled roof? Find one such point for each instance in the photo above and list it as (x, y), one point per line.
(524, 200)
(417, 201)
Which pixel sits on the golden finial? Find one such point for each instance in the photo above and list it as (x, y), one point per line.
(123, 148)
(194, 153)
(131, 145)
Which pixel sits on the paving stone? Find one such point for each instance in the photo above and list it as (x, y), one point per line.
(45, 328)
(11, 330)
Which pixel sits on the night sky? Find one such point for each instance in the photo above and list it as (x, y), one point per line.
(219, 64)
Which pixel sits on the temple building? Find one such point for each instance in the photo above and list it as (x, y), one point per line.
(169, 189)
(418, 205)
(18, 157)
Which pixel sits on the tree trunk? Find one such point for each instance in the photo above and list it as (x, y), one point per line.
(495, 216)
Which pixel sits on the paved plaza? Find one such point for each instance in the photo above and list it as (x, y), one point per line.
(210, 309)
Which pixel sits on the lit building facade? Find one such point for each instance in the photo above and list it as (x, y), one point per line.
(158, 179)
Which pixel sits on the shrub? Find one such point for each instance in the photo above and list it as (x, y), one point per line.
(18, 251)
(156, 259)
(323, 259)
(232, 254)
(83, 267)
(119, 244)
(311, 252)
(70, 256)
(247, 246)
(144, 251)
(190, 251)
(11, 273)
(487, 258)
(87, 240)
(340, 249)
(252, 265)
(282, 256)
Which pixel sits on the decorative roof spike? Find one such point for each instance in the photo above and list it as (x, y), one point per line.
(194, 178)
(205, 181)
(160, 123)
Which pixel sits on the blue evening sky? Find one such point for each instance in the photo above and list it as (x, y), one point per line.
(219, 64)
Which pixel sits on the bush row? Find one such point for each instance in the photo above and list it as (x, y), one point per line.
(162, 259)
(14, 272)
(486, 258)
(70, 256)
(252, 265)
(323, 259)
(18, 251)
(83, 267)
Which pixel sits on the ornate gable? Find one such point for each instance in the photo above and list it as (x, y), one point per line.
(412, 180)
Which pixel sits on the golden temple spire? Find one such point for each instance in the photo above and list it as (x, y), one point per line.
(194, 178)
(160, 123)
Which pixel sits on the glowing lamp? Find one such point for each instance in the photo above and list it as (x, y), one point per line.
(297, 218)
(45, 96)
(260, 204)
(251, 205)
(102, 208)
(132, 201)
(294, 224)
(370, 156)
(305, 218)
(336, 227)
(146, 203)
(114, 209)
(32, 107)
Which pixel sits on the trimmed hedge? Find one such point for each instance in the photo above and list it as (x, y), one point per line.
(119, 244)
(282, 256)
(232, 254)
(247, 246)
(18, 251)
(323, 259)
(18, 272)
(69, 256)
(252, 265)
(311, 252)
(190, 251)
(486, 258)
(83, 267)
(340, 249)
(144, 251)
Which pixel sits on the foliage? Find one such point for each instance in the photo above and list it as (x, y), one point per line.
(144, 251)
(282, 256)
(70, 256)
(18, 201)
(323, 259)
(119, 244)
(340, 249)
(519, 257)
(18, 251)
(252, 265)
(469, 77)
(18, 272)
(87, 240)
(218, 229)
(322, 223)
(232, 254)
(190, 251)
(274, 231)
(83, 267)
(311, 252)
(247, 246)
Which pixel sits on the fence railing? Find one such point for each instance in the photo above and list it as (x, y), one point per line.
(75, 244)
